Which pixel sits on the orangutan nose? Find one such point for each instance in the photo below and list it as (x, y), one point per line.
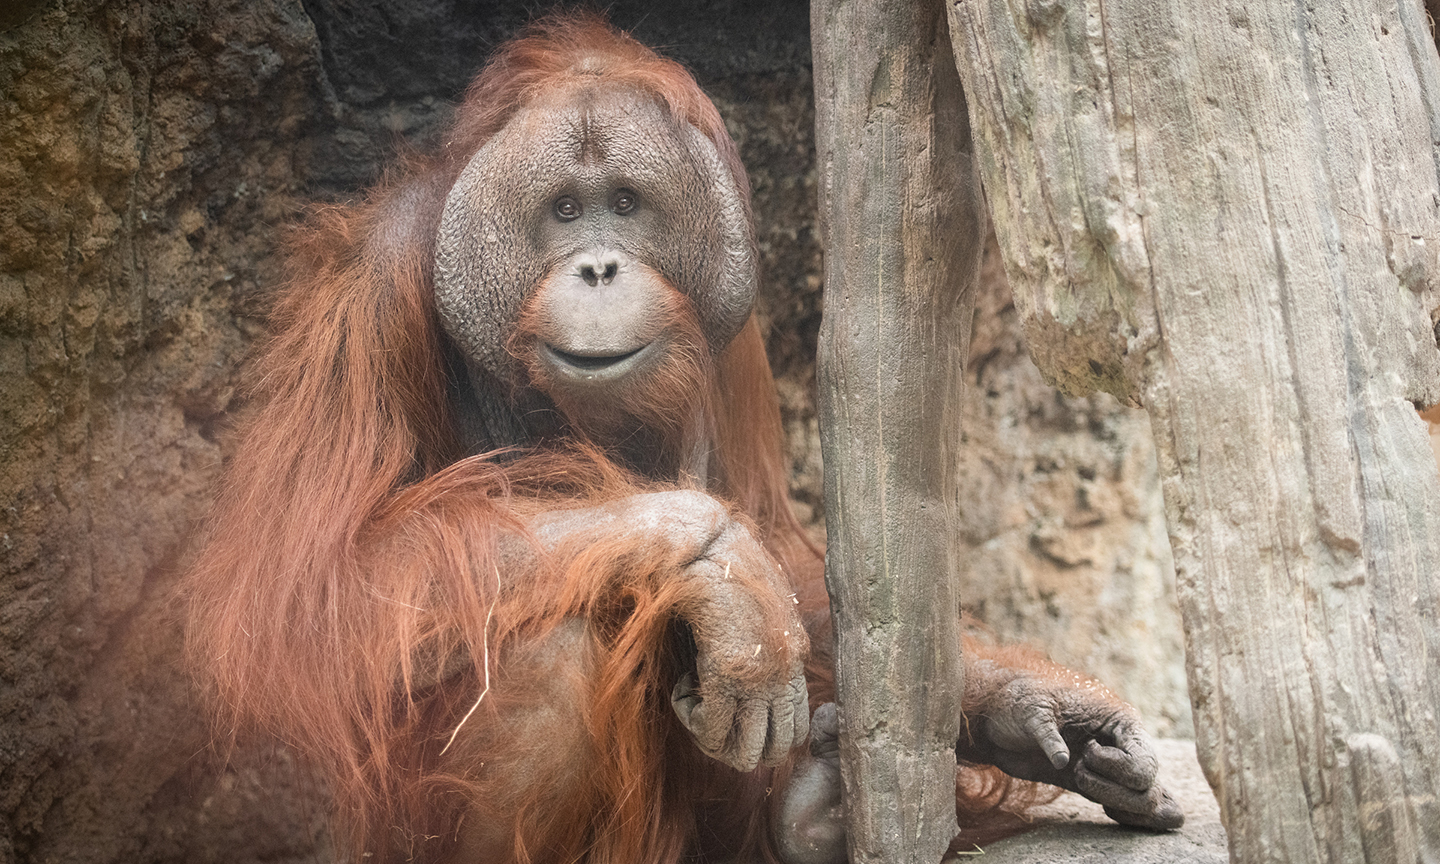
(603, 267)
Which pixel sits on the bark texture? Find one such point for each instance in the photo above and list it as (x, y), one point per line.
(1228, 213)
(901, 220)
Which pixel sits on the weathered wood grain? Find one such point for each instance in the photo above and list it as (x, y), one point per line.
(901, 225)
(1230, 213)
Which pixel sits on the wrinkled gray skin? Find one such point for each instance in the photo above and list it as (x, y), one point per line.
(589, 197)
(754, 709)
(1071, 733)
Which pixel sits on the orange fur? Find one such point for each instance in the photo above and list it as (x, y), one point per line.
(347, 599)
(351, 542)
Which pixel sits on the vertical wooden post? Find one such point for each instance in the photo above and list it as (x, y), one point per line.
(1230, 213)
(901, 224)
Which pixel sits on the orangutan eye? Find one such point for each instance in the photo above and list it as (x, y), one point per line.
(624, 202)
(567, 209)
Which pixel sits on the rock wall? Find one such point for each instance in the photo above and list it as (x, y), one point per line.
(151, 154)
(140, 206)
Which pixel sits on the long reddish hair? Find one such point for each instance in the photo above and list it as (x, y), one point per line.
(353, 536)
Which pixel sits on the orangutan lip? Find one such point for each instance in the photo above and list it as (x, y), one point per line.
(593, 366)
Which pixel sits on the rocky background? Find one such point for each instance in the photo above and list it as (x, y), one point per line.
(152, 153)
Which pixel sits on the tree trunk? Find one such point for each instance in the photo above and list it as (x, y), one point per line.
(1228, 213)
(901, 226)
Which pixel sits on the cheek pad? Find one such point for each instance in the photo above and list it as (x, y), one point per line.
(707, 247)
(487, 258)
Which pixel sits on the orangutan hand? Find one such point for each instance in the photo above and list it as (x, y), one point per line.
(1074, 734)
(746, 702)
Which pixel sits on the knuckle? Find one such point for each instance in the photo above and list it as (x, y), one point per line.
(688, 501)
(686, 511)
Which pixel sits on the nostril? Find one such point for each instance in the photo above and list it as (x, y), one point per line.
(598, 266)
